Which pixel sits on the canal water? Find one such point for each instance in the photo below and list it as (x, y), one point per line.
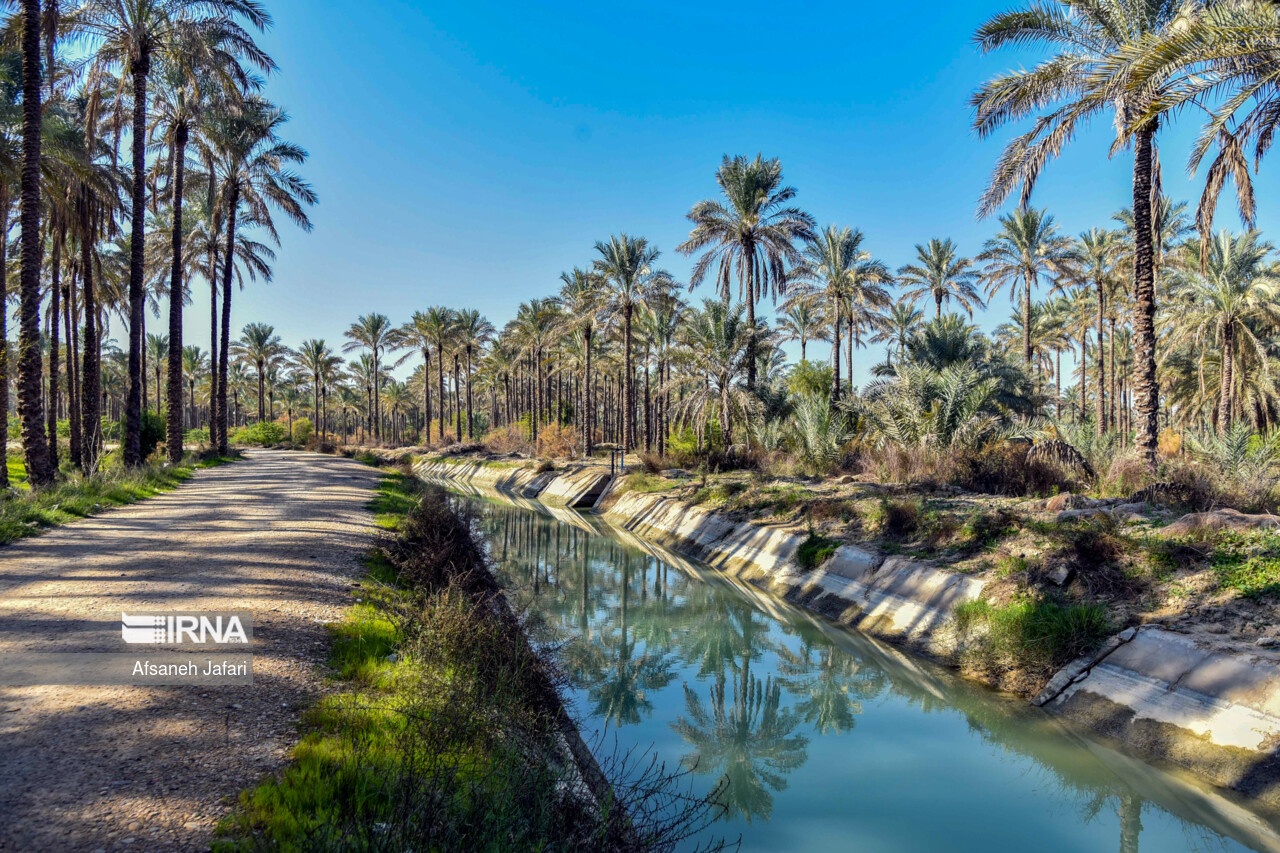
(820, 738)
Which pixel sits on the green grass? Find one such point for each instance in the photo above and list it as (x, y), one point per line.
(422, 738)
(816, 550)
(29, 513)
(1247, 562)
(1030, 634)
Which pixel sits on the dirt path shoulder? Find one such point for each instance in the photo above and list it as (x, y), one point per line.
(153, 768)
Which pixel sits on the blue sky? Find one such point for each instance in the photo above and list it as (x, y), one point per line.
(467, 153)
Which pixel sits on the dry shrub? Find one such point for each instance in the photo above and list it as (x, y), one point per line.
(559, 441)
(1004, 468)
(512, 438)
(909, 465)
(1127, 474)
(1169, 444)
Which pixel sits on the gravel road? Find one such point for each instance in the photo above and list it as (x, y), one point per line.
(153, 768)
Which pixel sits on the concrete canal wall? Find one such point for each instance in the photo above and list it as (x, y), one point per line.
(1204, 705)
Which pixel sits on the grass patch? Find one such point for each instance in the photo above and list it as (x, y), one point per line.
(28, 513)
(1247, 562)
(1030, 638)
(816, 550)
(440, 736)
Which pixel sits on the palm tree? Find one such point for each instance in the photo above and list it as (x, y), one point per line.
(803, 320)
(1091, 42)
(316, 359)
(194, 364)
(260, 346)
(255, 167)
(1027, 247)
(626, 267)
(939, 272)
(157, 351)
(844, 272)
(473, 332)
(582, 296)
(753, 232)
(898, 326)
(132, 34)
(437, 326)
(1097, 255)
(35, 445)
(375, 333)
(715, 339)
(1228, 307)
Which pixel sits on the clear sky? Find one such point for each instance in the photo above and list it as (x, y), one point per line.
(467, 153)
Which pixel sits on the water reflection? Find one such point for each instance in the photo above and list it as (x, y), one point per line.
(827, 739)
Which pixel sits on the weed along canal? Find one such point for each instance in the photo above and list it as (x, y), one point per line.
(820, 738)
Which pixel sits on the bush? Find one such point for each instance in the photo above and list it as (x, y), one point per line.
(302, 430)
(198, 436)
(153, 430)
(1031, 636)
(512, 438)
(896, 518)
(263, 434)
(1003, 468)
(816, 550)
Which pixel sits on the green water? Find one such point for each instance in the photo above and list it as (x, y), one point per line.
(827, 740)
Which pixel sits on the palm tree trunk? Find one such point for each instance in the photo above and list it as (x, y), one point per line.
(457, 402)
(91, 364)
(835, 354)
(470, 421)
(132, 445)
(749, 257)
(228, 266)
(629, 389)
(1102, 395)
(648, 405)
(1111, 374)
(937, 305)
(30, 411)
(587, 413)
(1228, 380)
(173, 427)
(55, 307)
(73, 383)
(5, 203)
(1145, 388)
(1026, 319)
(440, 388)
(211, 272)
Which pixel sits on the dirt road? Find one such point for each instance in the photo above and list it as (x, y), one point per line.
(153, 768)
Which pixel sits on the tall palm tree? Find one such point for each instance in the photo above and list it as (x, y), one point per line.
(260, 346)
(314, 358)
(416, 337)
(1027, 247)
(1090, 42)
(941, 273)
(157, 352)
(256, 173)
(195, 363)
(752, 233)
(582, 296)
(131, 35)
(437, 326)
(836, 262)
(626, 266)
(474, 332)
(898, 326)
(804, 320)
(1097, 256)
(1228, 307)
(35, 445)
(375, 333)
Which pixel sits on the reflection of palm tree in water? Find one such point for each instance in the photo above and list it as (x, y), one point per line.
(621, 696)
(749, 742)
(1130, 823)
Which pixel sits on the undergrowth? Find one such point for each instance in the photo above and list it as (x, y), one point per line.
(445, 732)
(1027, 640)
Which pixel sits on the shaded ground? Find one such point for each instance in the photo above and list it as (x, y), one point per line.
(153, 768)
